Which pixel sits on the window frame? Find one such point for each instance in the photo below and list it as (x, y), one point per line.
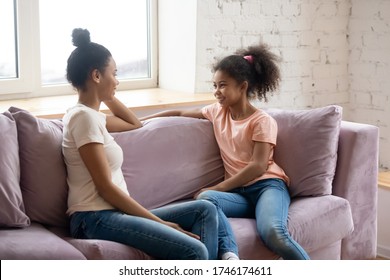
(28, 84)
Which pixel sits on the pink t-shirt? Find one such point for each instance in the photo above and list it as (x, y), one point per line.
(236, 140)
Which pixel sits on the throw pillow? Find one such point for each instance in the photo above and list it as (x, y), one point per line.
(11, 201)
(43, 170)
(306, 148)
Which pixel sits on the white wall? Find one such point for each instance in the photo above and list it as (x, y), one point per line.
(369, 68)
(177, 44)
(310, 36)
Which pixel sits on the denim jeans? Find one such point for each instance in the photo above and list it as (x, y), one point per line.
(154, 238)
(266, 200)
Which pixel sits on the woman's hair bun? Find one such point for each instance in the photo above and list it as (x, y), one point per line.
(80, 37)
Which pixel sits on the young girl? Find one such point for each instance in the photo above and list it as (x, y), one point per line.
(254, 185)
(99, 204)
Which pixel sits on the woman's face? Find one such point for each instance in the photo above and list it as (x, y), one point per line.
(108, 81)
(226, 89)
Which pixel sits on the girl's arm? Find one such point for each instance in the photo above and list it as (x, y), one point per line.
(256, 167)
(192, 113)
(123, 118)
(94, 158)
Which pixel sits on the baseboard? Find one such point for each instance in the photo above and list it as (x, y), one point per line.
(383, 251)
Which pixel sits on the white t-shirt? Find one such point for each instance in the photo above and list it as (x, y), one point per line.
(83, 125)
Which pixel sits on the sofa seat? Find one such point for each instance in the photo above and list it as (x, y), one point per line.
(329, 217)
(328, 213)
(96, 249)
(35, 242)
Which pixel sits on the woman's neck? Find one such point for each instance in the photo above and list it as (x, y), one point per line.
(89, 99)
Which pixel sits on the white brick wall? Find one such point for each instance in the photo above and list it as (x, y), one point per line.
(334, 52)
(369, 68)
(309, 35)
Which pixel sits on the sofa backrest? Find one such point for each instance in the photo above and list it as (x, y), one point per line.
(171, 158)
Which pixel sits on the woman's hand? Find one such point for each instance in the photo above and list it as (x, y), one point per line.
(177, 227)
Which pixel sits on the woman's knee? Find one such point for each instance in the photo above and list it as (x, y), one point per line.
(203, 253)
(207, 206)
(197, 252)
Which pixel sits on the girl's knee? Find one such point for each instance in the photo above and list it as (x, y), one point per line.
(272, 236)
(207, 195)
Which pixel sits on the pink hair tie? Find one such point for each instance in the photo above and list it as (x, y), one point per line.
(249, 58)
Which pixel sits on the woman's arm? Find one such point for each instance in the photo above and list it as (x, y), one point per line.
(123, 118)
(256, 167)
(192, 113)
(95, 160)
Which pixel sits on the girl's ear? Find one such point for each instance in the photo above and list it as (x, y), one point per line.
(95, 75)
(244, 86)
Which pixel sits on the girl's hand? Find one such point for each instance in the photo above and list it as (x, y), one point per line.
(177, 227)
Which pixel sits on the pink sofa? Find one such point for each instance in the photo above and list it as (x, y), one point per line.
(332, 165)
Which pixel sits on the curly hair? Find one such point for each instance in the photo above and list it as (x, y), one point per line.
(257, 65)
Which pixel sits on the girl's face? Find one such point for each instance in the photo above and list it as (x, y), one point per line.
(108, 81)
(227, 90)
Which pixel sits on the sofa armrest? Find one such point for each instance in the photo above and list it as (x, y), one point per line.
(356, 180)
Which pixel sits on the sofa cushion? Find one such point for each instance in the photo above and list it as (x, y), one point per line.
(169, 159)
(314, 222)
(11, 201)
(250, 245)
(43, 171)
(306, 148)
(35, 243)
(95, 249)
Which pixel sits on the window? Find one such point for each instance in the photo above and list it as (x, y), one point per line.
(8, 50)
(38, 36)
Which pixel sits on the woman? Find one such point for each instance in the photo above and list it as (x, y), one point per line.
(254, 185)
(99, 204)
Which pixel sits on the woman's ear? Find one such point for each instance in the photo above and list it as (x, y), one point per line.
(95, 75)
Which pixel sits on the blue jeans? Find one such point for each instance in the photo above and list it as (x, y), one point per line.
(154, 238)
(266, 200)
